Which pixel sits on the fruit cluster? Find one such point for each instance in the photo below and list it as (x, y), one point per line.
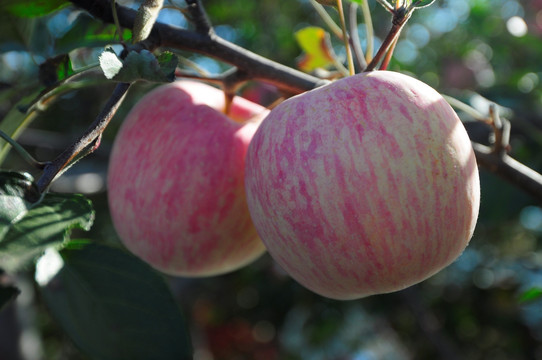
(367, 185)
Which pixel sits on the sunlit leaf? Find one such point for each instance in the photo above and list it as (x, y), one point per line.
(110, 63)
(141, 65)
(534, 293)
(112, 305)
(29, 225)
(313, 42)
(31, 8)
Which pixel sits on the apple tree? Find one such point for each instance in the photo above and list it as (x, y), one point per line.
(84, 178)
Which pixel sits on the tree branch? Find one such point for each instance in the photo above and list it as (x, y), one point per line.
(163, 35)
(263, 69)
(510, 169)
(87, 142)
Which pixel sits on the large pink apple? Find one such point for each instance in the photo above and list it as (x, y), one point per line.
(176, 181)
(367, 185)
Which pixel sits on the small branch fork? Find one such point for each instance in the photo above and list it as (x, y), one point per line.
(248, 65)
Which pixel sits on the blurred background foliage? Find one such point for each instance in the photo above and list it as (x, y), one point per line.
(478, 308)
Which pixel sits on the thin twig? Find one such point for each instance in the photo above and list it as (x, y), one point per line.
(199, 17)
(336, 61)
(331, 24)
(510, 169)
(501, 129)
(455, 103)
(354, 36)
(22, 152)
(386, 5)
(116, 19)
(87, 139)
(369, 30)
(349, 59)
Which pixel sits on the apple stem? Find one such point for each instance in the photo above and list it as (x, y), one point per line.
(389, 54)
(400, 17)
(228, 101)
(349, 57)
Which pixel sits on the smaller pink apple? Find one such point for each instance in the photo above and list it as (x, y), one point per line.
(176, 189)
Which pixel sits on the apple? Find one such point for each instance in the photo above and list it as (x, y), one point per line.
(364, 186)
(176, 180)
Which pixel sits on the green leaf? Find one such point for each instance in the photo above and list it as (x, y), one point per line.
(110, 63)
(32, 8)
(534, 293)
(28, 227)
(87, 32)
(17, 193)
(141, 65)
(422, 3)
(112, 304)
(55, 70)
(313, 41)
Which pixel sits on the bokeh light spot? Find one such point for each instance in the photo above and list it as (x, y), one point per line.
(516, 26)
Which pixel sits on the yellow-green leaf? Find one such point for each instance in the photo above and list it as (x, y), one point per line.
(313, 42)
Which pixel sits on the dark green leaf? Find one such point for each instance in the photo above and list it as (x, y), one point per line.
(31, 8)
(8, 293)
(422, 3)
(141, 65)
(113, 305)
(28, 227)
(55, 69)
(531, 294)
(87, 32)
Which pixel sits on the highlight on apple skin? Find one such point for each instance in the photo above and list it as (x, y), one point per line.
(176, 181)
(367, 185)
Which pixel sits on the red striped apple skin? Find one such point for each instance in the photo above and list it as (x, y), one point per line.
(176, 181)
(365, 186)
